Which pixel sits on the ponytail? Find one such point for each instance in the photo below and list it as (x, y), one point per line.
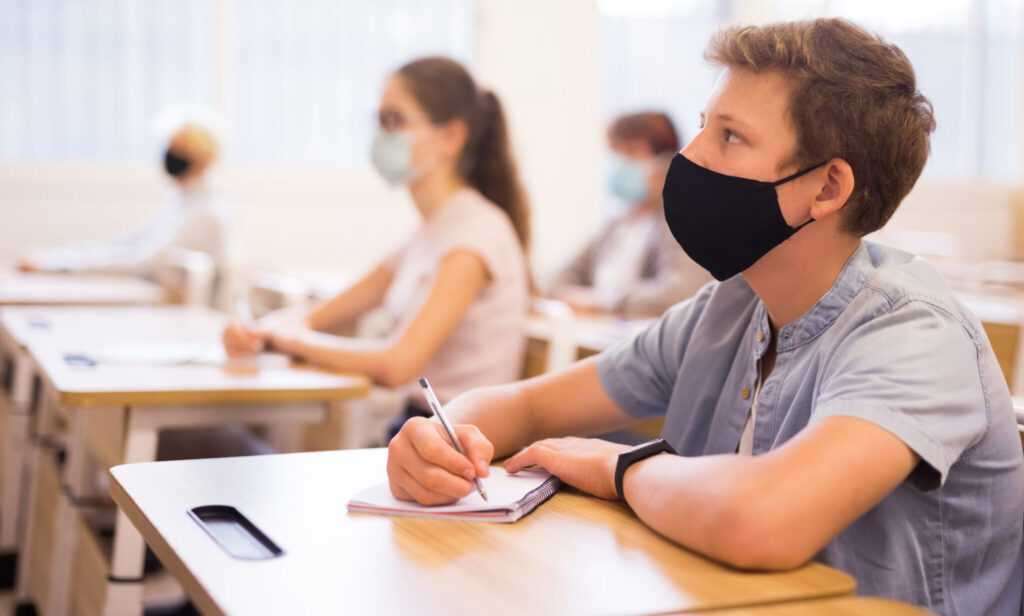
(489, 167)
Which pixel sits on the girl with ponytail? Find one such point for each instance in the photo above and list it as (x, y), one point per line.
(455, 295)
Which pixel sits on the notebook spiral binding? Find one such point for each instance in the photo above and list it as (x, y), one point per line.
(537, 497)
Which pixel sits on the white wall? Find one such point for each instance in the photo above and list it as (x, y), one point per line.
(288, 218)
(543, 68)
(983, 216)
(541, 58)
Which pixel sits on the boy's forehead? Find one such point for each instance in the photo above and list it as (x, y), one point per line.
(743, 96)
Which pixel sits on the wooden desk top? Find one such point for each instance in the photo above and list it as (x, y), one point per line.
(842, 606)
(52, 333)
(100, 324)
(18, 288)
(574, 555)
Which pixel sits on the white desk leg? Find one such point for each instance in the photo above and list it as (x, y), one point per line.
(77, 481)
(15, 466)
(124, 590)
(23, 589)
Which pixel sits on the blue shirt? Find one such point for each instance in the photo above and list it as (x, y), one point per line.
(891, 344)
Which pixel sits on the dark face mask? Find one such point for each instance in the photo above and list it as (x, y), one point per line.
(725, 223)
(176, 165)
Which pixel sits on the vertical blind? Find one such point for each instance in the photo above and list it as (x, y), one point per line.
(293, 82)
(967, 55)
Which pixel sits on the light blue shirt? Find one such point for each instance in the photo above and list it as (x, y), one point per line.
(889, 343)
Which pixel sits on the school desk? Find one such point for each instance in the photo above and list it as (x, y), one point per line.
(21, 289)
(37, 289)
(110, 413)
(842, 606)
(575, 554)
(1001, 314)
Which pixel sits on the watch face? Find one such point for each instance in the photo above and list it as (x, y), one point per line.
(643, 446)
(636, 448)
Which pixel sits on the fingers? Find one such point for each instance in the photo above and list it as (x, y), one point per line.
(435, 486)
(478, 449)
(432, 445)
(239, 341)
(424, 467)
(539, 454)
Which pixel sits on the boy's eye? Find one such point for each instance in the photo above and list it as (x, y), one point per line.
(731, 137)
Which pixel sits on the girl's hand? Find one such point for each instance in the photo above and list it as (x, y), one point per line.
(241, 341)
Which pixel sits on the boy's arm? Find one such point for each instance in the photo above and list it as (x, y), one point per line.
(773, 511)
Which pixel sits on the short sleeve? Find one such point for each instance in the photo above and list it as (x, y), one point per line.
(488, 233)
(914, 372)
(394, 258)
(640, 374)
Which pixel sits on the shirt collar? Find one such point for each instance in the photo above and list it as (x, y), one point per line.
(827, 309)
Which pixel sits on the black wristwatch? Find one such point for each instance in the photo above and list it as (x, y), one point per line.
(635, 454)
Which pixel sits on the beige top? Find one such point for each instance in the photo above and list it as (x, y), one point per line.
(487, 346)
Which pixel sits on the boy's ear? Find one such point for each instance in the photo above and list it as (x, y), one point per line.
(836, 188)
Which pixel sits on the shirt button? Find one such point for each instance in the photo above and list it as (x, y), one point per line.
(745, 393)
(760, 336)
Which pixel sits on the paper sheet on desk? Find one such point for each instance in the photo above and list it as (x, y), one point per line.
(168, 354)
(510, 498)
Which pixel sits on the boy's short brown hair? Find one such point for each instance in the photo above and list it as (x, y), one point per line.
(853, 96)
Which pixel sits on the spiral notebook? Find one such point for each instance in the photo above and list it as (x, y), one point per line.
(510, 498)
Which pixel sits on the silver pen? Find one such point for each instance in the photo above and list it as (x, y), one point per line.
(244, 312)
(435, 406)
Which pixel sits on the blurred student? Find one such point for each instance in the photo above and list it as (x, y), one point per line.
(633, 265)
(456, 292)
(195, 217)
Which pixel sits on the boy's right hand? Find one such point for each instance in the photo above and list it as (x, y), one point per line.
(241, 341)
(423, 466)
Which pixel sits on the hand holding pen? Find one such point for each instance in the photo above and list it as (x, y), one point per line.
(243, 337)
(435, 406)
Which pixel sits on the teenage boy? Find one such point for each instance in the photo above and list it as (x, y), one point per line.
(829, 398)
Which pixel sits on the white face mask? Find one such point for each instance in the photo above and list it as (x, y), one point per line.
(391, 154)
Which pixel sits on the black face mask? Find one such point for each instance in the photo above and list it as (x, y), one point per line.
(176, 165)
(725, 223)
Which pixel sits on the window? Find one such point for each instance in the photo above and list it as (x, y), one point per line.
(304, 77)
(967, 55)
(296, 82)
(652, 57)
(84, 80)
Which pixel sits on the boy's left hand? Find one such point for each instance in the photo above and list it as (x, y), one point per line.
(587, 464)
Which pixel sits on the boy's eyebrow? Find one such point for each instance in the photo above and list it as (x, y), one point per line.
(728, 118)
